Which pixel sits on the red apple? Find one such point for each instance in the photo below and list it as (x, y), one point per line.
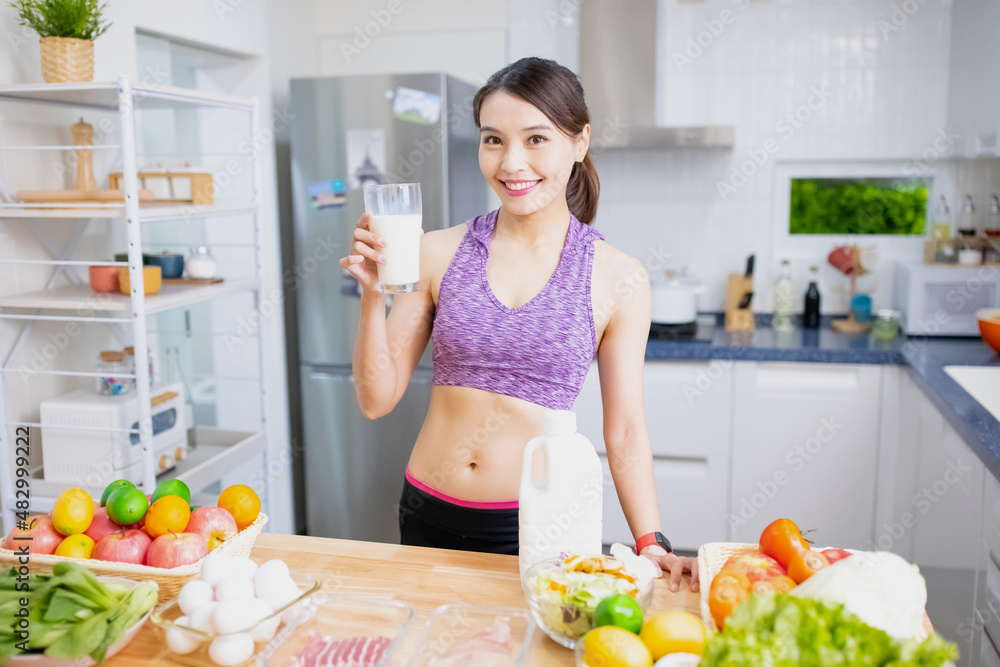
(833, 555)
(214, 524)
(176, 549)
(101, 526)
(44, 537)
(125, 546)
(755, 565)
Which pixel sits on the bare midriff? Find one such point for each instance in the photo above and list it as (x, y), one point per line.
(472, 441)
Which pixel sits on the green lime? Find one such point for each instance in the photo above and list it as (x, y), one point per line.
(117, 484)
(172, 487)
(127, 505)
(621, 611)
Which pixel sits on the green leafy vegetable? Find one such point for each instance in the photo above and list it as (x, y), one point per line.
(79, 19)
(70, 613)
(786, 631)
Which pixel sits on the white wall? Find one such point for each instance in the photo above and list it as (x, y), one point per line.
(227, 25)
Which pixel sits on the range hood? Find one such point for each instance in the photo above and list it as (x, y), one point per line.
(618, 71)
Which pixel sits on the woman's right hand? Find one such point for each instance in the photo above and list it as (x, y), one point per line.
(364, 255)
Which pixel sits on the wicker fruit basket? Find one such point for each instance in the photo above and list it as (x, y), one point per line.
(170, 580)
(67, 60)
(711, 558)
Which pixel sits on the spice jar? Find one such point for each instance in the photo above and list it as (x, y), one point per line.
(112, 367)
(886, 324)
(130, 362)
(200, 264)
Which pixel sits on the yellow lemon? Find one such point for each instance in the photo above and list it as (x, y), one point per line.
(611, 646)
(674, 632)
(73, 512)
(76, 546)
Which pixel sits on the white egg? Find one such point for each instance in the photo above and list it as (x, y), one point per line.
(271, 568)
(243, 566)
(195, 594)
(262, 610)
(233, 616)
(215, 567)
(201, 618)
(231, 650)
(279, 593)
(234, 588)
(179, 640)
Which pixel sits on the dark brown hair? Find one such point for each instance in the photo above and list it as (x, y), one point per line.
(556, 92)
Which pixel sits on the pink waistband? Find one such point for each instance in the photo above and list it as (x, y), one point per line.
(461, 502)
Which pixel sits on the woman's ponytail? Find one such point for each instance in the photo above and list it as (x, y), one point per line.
(582, 191)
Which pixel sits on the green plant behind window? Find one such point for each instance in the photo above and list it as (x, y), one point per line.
(80, 19)
(858, 206)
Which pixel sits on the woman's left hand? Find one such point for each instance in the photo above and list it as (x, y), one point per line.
(674, 564)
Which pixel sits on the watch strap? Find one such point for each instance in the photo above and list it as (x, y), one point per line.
(650, 539)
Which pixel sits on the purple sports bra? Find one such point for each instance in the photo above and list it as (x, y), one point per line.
(539, 352)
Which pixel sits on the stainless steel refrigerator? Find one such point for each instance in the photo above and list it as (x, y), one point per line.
(346, 132)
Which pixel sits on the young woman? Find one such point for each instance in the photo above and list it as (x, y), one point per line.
(518, 302)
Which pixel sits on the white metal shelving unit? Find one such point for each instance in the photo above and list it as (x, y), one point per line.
(219, 451)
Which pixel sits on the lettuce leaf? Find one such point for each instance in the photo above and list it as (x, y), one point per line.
(786, 631)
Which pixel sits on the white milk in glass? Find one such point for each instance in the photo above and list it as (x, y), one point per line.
(402, 254)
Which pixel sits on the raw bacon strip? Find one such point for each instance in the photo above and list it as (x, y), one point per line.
(322, 651)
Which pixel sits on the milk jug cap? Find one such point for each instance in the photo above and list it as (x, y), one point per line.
(559, 422)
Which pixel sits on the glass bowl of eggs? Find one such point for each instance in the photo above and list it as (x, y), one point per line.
(229, 614)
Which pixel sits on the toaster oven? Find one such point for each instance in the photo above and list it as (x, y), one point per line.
(938, 300)
(75, 449)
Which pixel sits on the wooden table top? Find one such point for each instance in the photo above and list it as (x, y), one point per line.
(426, 578)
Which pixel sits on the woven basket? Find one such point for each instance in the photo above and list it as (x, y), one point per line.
(170, 580)
(711, 558)
(67, 60)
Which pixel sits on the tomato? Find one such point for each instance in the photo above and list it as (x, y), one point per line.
(782, 540)
(734, 577)
(833, 555)
(806, 564)
(762, 586)
(782, 584)
(723, 599)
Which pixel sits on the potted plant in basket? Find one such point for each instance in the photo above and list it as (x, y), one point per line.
(67, 29)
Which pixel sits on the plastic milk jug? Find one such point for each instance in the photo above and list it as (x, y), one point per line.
(561, 496)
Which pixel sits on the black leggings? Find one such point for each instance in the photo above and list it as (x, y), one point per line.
(427, 521)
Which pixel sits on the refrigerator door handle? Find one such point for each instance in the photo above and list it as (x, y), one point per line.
(422, 376)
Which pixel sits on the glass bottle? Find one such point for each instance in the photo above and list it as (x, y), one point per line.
(112, 366)
(810, 314)
(784, 300)
(991, 254)
(174, 374)
(945, 246)
(967, 218)
(130, 360)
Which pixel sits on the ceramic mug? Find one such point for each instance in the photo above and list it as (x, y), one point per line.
(104, 278)
(840, 259)
(151, 279)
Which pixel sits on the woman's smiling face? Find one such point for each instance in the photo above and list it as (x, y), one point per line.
(525, 158)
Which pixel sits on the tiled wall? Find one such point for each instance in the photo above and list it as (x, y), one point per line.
(878, 85)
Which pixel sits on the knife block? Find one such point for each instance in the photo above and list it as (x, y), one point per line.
(738, 319)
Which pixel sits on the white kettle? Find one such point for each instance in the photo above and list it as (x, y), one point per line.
(675, 297)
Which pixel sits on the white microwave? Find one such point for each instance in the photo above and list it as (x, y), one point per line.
(938, 300)
(77, 449)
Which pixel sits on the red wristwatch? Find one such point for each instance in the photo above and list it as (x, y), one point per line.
(650, 539)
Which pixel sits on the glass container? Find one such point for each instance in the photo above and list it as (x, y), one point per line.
(453, 625)
(113, 368)
(886, 324)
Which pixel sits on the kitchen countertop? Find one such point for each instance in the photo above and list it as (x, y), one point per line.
(923, 357)
(423, 577)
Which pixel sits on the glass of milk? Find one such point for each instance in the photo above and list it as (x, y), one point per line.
(397, 217)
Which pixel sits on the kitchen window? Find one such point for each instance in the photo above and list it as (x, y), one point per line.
(862, 206)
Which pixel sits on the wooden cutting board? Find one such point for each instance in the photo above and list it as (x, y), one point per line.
(77, 196)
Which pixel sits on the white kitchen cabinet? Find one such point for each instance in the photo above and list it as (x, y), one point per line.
(984, 621)
(805, 446)
(688, 408)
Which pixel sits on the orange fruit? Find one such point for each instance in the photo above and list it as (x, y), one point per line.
(167, 514)
(240, 501)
